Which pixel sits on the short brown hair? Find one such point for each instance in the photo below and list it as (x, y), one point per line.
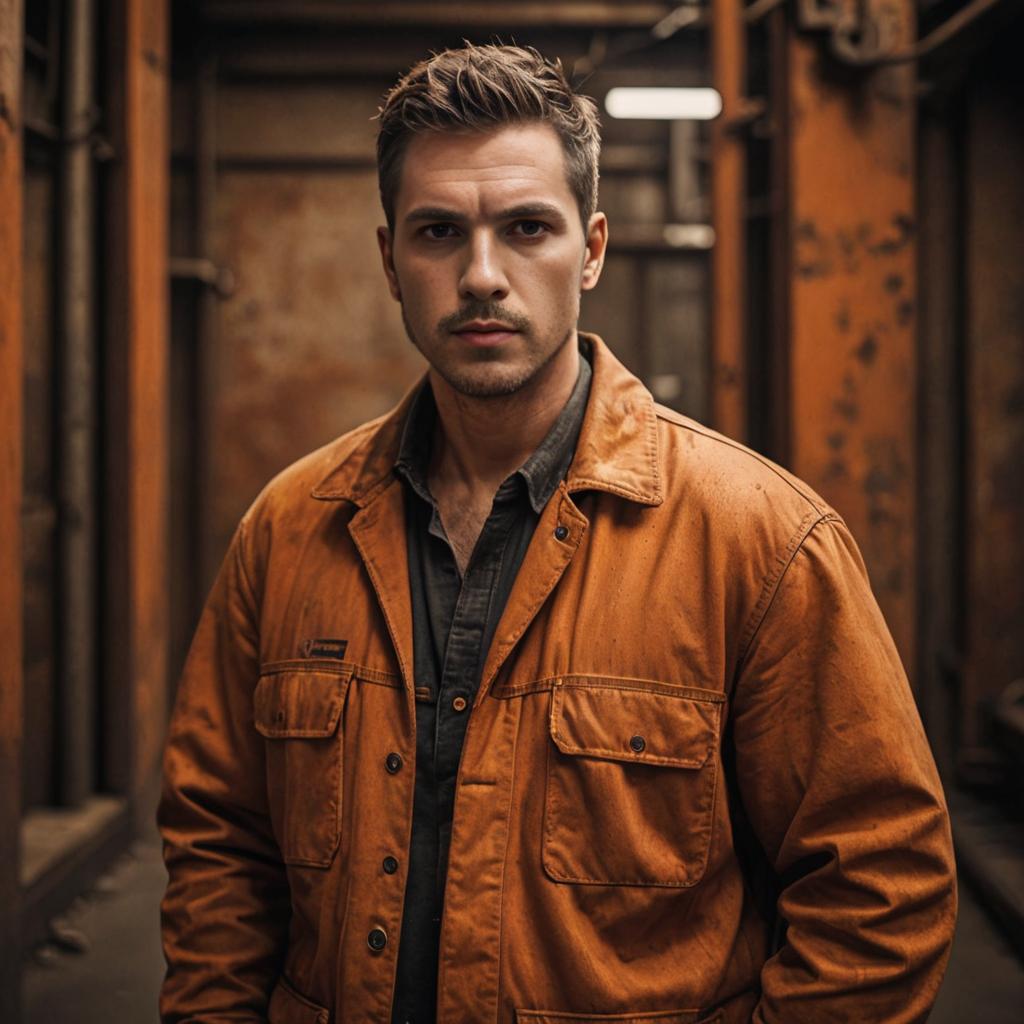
(479, 88)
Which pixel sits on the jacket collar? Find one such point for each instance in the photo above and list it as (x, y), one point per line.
(617, 449)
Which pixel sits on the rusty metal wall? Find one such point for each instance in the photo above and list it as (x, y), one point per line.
(994, 360)
(309, 344)
(814, 290)
(852, 307)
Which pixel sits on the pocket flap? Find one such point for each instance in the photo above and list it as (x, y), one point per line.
(300, 704)
(637, 725)
(663, 1017)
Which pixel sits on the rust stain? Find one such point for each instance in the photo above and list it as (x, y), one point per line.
(842, 318)
(812, 258)
(818, 255)
(847, 408)
(847, 243)
(867, 350)
(899, 237)
(835, 470)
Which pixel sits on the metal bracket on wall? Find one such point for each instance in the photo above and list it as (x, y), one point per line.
(868, 34)
(206, 272)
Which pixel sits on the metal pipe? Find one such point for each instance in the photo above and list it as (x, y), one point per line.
(728, 196)
(76, 654)
(848, 47)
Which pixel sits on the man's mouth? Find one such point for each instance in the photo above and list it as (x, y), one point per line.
(485, 332)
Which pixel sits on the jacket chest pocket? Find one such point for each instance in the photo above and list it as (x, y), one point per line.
(297, 711)
(631, 783)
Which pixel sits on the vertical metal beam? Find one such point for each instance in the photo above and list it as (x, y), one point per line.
(853, 305)
(728, 206)
(209, 550)
(11, 370)
(76, 486)
(940, 420)
(138, 378)
(777, 425)
(147, 78)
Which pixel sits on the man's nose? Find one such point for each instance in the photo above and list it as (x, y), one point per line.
(483, 276)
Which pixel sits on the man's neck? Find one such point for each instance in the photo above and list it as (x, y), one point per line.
(479, 442)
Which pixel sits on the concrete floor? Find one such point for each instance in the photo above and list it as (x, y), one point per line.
(116, 977)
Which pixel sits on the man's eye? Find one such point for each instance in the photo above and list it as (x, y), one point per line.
(439, 231)
(530, 228)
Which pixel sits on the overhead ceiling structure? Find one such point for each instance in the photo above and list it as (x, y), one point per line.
(416, 13)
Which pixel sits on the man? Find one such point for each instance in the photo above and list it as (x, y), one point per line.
(533, 700)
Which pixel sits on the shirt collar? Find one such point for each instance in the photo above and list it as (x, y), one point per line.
(618, 451)
(542, 471)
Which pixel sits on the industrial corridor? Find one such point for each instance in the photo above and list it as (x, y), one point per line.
(815, 247)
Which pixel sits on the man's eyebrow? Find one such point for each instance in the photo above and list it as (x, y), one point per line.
(523, 211)
(526, 211)
(432, 213)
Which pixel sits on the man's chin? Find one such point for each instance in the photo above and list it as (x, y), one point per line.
(485, 381)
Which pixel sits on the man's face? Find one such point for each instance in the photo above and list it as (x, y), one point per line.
(488, 255)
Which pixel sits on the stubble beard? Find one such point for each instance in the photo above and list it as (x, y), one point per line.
(486, 384)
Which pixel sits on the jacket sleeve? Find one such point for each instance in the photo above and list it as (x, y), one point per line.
(225, 913)
(838, 782)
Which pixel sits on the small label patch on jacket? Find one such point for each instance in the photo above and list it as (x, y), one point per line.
(323, 648)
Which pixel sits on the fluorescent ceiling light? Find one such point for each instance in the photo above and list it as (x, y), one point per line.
(664, 104)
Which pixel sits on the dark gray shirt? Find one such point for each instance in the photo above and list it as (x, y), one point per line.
(454, 619)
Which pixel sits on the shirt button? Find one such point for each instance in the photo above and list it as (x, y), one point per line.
(390, 865)
(561, 532)
(377, 939)
(393, 762)
(459, 703)
(638, 743)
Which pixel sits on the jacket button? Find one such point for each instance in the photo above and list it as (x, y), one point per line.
(390, 865)
(393, 762)
(638, 743)
(561, 532)
(459, 703)
(377, 939)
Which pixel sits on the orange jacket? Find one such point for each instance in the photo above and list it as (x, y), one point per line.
(691, 681)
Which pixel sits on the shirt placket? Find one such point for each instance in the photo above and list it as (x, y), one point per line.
(464, 656)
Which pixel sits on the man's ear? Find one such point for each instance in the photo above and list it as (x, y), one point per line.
(597, 243)
(387, 259)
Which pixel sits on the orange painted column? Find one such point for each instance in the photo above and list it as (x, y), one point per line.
(138, 379)
(11, 382)
(728, 213)
(852, 306)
